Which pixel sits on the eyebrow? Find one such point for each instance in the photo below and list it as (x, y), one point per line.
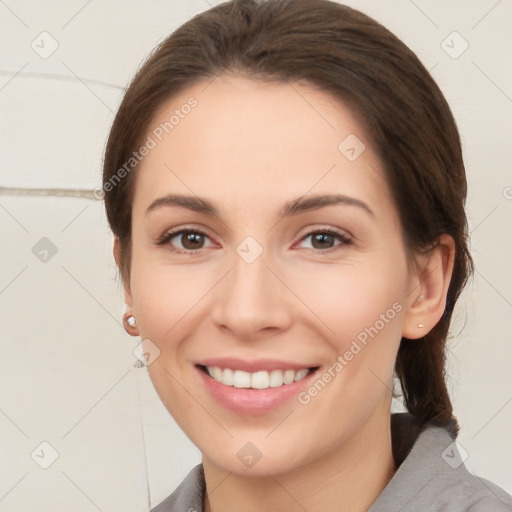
(293, 207)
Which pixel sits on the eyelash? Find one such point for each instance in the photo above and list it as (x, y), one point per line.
(345, 240)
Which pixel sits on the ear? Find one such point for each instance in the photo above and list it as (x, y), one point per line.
(126, 284)
(428, 289)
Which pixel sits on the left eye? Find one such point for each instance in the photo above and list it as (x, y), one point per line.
(324, 239)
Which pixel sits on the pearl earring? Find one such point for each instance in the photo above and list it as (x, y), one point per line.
(420, 325)
(129, 324)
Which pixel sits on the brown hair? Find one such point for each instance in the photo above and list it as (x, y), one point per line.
(357, 60)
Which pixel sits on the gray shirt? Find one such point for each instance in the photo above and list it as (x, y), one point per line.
(431, 476)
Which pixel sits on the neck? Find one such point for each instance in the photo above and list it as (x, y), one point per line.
(349, 478)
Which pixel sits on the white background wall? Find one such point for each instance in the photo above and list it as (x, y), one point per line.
(67, 367)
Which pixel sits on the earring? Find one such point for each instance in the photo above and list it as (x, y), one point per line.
(420, 325)
(130, 324)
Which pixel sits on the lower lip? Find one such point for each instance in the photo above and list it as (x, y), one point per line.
(253, 401)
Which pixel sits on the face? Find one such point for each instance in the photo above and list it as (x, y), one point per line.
(267, 254)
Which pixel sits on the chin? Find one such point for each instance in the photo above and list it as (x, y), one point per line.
(259, 454)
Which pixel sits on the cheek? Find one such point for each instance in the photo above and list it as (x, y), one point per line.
(351, 300)
(165, 294)
(362, 309)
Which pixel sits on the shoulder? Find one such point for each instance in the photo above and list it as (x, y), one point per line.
(472, 493)
(188, 496)
(433, 477)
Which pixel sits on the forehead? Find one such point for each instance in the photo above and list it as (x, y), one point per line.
(256, 140)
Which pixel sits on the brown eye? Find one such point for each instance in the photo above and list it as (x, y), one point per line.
(184, 240)
(191, 240)
(325, 239)
(322, 240)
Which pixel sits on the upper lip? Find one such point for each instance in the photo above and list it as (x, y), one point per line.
(254, 366)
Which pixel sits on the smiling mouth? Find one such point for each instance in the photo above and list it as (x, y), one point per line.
(256, 380)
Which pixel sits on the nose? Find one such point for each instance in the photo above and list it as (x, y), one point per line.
(251, 302)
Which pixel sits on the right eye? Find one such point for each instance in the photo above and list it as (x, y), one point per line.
(189, 240)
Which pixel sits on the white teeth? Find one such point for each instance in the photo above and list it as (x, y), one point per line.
(300, 375)
(276, 378)
(227, 377)
(217, 373)
(241, 379)
(288, 377)
(256, 380)
(260, 380)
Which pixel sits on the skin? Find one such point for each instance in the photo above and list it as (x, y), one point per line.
(249, 147)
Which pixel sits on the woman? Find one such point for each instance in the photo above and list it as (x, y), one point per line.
(286, 188)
